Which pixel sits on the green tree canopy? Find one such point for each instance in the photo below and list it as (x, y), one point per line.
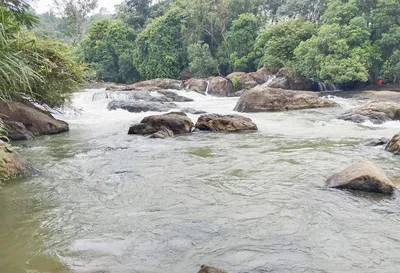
(276, 43)
(109, 49)
(160, 52)
(201, 63)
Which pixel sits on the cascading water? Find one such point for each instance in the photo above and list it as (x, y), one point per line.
(270, 79)
(322, 87)
(208, 87)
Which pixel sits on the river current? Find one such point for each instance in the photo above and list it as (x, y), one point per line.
(254, 202)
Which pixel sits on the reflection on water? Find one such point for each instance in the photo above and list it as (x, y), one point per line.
(109, 202)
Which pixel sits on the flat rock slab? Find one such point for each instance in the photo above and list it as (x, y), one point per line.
(225, 123)
(363, 176)
(265, 99)
(377, 112)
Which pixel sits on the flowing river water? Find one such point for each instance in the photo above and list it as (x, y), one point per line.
(255, 202)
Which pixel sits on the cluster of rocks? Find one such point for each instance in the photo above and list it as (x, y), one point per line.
(178, 123)
(232, 85)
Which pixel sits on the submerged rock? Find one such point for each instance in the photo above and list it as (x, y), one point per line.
(12, 165)
(225, 123)
(140, 106)
(263, 99)
(176, 122)
(363, 176)
(377, 112)
(394, 145)
(24, 121)
(193, 111)
(376, 142)
(210, 269)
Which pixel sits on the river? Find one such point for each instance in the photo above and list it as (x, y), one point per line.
(255, 202)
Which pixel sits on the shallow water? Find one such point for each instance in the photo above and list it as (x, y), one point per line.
(255, 202)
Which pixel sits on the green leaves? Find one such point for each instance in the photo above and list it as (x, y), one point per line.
(201, 63)
(276, 43)
(239, 43)
(109, 49)
(336, 54)
(159, 51)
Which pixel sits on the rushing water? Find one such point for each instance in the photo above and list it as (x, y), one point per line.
(256, 202)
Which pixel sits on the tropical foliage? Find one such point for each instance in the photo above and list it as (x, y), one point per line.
(38, 67)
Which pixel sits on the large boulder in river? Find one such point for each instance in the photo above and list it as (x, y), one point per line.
(264, 99)
(220, 87)
(377, 112)
(11, 164)
(24, 121)
(394, 145)
(225, 123)
(362, 176)
(140, 106)
(197, 85)
(287, 79)
(176, 122)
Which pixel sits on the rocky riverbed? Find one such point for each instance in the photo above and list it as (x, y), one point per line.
(245, 192)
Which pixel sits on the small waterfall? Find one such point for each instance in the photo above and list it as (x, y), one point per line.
(208, 87)
(270, 79)
(322, 87)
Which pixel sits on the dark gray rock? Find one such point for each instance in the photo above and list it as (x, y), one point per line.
(193, 111)
(174, 96)
(141, 106)
(376, 142)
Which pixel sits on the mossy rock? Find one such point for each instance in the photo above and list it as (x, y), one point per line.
(12, 165)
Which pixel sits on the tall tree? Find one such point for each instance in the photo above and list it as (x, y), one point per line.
(276, 43)
(75, 14)
(159, 51)
(109, 50)
(238, 48)
(134, 13)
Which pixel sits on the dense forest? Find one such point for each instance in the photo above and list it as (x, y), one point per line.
(334, 41)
